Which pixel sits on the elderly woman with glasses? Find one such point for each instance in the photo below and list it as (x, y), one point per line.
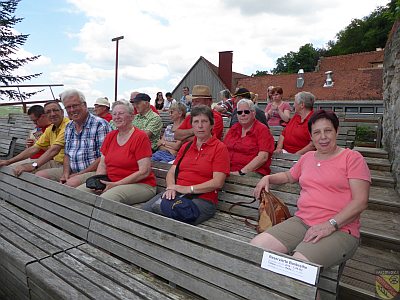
(277, 111)
(249, 142)
(125, 159)
(168, 147)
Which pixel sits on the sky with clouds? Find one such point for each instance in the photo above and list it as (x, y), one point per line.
(163, 39)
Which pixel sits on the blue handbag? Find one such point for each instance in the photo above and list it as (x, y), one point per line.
(181, 208)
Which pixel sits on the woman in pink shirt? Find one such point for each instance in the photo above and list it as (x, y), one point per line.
(277, 111)
(334, 191)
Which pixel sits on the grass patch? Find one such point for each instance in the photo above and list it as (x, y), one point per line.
(5, 110)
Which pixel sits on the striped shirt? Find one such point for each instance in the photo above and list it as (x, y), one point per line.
(83, 148)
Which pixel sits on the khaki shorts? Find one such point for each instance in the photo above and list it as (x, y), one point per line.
(329, 251)
(55, 174)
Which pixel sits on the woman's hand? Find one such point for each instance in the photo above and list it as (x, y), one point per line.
(262, 184)
(319, 231)
(278, 150)
(109, 185)
(169, 194)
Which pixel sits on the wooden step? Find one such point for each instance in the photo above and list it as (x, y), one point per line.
(358, 278)
(384, 198)
(380, 164)
(380, 229)
(382, 178)
(372, 152)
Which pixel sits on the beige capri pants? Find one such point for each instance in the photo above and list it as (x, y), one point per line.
(329, 251)
(128, 193)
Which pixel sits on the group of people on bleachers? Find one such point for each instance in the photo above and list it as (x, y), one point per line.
(334, 181)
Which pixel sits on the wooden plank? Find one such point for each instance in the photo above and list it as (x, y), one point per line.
(68, 197)
(173, 246)
(119, 284)
(72, 227)
(192, 259)
(14, 259)
(177, 277)
(103, 261)
(37, 226)
(51, 286)
(11, 287)
(102, 283)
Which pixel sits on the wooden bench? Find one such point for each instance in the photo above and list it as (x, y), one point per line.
(240, 189)
(43, 261)
(134, 236)
(206, 263)
(7, 146)
(25, 239)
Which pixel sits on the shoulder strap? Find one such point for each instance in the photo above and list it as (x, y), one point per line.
(180, 160)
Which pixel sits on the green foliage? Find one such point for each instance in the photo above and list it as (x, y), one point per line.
(366, 34)
(9, 45)
(360, 35)
(259, 73)
(6, 110)
(365, 134)
(306, 58)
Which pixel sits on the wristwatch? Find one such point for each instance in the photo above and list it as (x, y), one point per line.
(241, 173)
(35, 165)
(334, 224)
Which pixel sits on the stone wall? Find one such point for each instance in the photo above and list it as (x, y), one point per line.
(391, 101)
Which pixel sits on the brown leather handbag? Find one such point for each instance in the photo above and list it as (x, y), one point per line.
(271, 211)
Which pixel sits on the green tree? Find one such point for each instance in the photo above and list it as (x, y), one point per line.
(306, 58)
(259, 73)
(9, 45)
(366, 34)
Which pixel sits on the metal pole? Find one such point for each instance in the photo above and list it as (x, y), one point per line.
(116, 65)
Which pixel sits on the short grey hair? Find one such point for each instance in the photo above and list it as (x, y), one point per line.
(248, 102)
(178, 106)
(305, 97)
(128, 105)
(225, 93)
(72, 92)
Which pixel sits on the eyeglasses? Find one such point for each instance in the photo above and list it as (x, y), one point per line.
(74, 106)
(246, 112)
(54, 110)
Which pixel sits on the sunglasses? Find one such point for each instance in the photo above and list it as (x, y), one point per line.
(246, 112)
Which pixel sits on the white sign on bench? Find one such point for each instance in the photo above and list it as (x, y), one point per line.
(290, 267)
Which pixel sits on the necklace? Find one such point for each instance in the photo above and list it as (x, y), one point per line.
(337, 149)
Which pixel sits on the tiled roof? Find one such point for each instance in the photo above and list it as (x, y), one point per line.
(353, 61)
(353, 76)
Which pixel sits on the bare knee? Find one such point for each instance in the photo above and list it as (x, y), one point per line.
(43, 174)
(268, 242)
(300, 256)
(74, 181)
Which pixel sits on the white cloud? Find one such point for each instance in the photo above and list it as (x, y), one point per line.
(163, 39)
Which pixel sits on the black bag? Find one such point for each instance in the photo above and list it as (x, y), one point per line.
(95, 184)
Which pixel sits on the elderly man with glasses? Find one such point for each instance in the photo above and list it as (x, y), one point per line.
(51, 141)
(84, 136)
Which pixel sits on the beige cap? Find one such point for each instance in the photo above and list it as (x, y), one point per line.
(102, 101)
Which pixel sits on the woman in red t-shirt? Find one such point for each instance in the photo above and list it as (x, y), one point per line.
(204, 165)
(296, 138)
(125, 159)
(249, 142)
